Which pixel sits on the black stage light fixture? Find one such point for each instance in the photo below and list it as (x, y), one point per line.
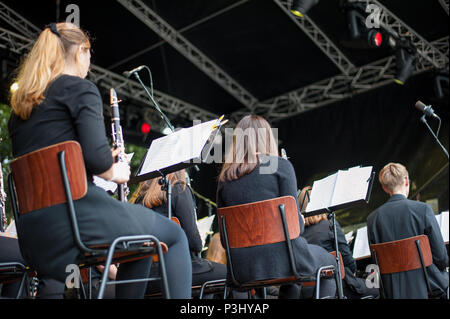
(353, 18)
(441, 85)
(301, 7)
(361, 36)
(405, 59)
(374, 38)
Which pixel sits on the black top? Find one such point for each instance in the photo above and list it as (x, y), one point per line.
(183, 208)
(273, 178)
(401, 218)
(322, 234)
(72, 110)
(258, 185)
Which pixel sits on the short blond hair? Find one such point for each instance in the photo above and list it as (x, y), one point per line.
(392, 176)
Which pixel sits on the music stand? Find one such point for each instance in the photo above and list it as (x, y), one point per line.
(344, 189)
(176, 151)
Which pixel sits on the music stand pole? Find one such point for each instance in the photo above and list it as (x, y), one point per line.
(340, 290)
(166, 186)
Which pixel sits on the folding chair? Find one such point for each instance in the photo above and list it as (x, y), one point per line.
(263, 223)
(58, 171)
(12, 272)
(403, 255)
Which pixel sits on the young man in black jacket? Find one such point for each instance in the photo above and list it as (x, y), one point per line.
(401, 218)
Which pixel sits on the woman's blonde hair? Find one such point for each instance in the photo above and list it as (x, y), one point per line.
(150, 191)
(392, 176)
(252, 137)
(43, 64)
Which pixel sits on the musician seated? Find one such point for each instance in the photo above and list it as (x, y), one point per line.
(401, 218)
(254, 172)
(319, 231)
(10, 252)
(150, 194)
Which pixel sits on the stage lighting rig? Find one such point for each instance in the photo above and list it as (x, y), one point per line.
(361, 35)
(405, 56)
(301, 7)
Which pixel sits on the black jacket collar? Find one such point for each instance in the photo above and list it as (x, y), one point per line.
(396, 197)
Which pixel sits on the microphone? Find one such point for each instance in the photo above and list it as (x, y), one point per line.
(130, 73)
(427, 110)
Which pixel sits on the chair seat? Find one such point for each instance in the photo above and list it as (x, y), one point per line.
(123, 254)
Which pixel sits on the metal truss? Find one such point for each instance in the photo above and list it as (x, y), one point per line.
(105, 79)
(133, 90)
(365, 78)
(400, 30)
(14, 42)
(319, 38)
(188, 50)
(444, 4)
(21, 24)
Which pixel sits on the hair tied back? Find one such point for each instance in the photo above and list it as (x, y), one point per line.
(54, 29)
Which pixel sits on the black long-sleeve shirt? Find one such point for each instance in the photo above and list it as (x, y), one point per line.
(183, 208)
(72, 110)
(321, 234)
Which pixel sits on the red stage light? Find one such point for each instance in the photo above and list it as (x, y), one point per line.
(145, 128)
(378, 39)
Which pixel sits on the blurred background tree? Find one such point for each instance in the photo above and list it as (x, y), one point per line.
(5, 151)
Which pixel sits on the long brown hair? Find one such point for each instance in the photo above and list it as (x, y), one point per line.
(252, 137)
(44, 63)
(150, 191)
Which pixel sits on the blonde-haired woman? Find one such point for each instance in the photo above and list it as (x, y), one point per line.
(149, 194)
(54, 103)
(254, 172)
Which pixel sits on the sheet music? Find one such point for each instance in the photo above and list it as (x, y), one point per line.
(204, 227)
(178, 147)
(361, 248)
(321, 192)
(442, 220)
(349, 237)
(351, 185)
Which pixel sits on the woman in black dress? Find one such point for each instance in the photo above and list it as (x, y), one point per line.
(149, 194)
(254, 172)
(54, 103)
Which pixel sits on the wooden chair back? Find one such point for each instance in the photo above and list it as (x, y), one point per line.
(402, 255)
(260, 223)
(37, 176)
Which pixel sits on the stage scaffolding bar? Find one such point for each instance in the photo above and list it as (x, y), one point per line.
(189, 51)
(334, 89)
(400, 30)
(319, 38)
(20, 44)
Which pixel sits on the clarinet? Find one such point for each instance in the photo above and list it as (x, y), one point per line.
(118, 141)
(3, 220)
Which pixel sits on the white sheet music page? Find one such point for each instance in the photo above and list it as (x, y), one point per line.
(442, 220)
(321, 193)
(351, 185)
(178, 147)
(204, 227)
(361, 248)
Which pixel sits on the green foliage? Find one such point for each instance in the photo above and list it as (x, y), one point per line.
(139, 154)
(5, 150)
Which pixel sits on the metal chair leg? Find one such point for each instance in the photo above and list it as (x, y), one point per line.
(128, 241)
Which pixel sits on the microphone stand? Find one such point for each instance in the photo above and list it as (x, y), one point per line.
(165, 118)
(164, 181)
(424, 120)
